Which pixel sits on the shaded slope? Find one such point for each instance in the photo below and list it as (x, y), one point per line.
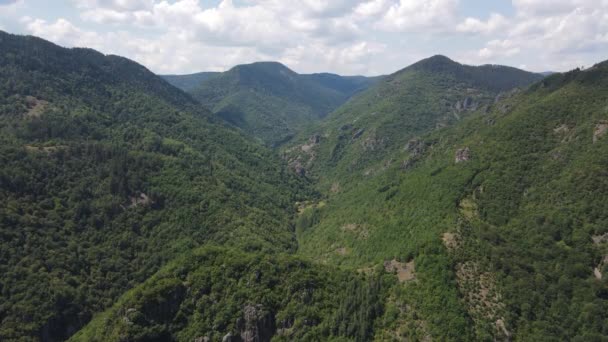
(190, 81)
(106, 173)
(224, 294)
(271, 102)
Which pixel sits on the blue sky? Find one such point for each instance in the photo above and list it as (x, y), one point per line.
(343, 36)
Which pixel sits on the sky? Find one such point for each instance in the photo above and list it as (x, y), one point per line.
(365, 37)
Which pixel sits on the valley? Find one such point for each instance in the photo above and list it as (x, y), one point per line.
(442, 202)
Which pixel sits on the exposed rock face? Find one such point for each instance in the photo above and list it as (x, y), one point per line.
(408, 164)
(298, 168)
(358, 133)
(256, 325)
(405, 271)
(504, 107)
(141, 200)
(335, 188)
(600, 130)
(301, 161)
(229, 338)
(600, 239)
(313, 141)
(450, 241)
(563, 128)
(467, 104)
(202, 339)
(463, 155)
(35, 107)
(415, 147)
(373, 143)
(597, 272)
(505, 95)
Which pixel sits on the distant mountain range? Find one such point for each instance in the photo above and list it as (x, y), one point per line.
(268, 100)
(189, 82)
(442, 202)
(433, 93)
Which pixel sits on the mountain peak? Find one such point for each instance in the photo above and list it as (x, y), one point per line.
(436, 63)
(264, 66)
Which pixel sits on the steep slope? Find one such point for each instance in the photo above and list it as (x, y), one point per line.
(435, 92)
(106, 173)
(503, 216)
(190, 81)
(224, 295)
(271, 102)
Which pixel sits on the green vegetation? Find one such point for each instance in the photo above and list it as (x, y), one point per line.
(214, 292)
(271, 102)
(106, 173)
(433, 93)
(189, 82)
(443, 204)
(522, 207)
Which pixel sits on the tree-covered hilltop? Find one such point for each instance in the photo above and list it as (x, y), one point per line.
(433, 93)
(270, 102)
(190, 81)
(106, 173)
(441, 203)
(503, 213)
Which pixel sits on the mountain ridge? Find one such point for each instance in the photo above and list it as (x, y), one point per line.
(269, 101)
(438, 203)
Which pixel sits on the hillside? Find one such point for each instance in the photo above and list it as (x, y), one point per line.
(444, 202)
(190, 81)
(107, 173)
(433, 93)
(269, 101)
(502, 215)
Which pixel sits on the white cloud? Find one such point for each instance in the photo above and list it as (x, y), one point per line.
(116, 5)
(62, 32)
(105, 16)
(371, 8)
(356, 58)
(350, 36)
(10, 7)
(503, 48)
(555, 34)
(416, 16)
(473, 25)
(553, 7)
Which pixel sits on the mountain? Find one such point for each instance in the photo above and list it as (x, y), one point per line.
(433, 93)
(446, 202)
(548, 73)
(189, 82)
(269, 101)
(108, 172)
(501, 215)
